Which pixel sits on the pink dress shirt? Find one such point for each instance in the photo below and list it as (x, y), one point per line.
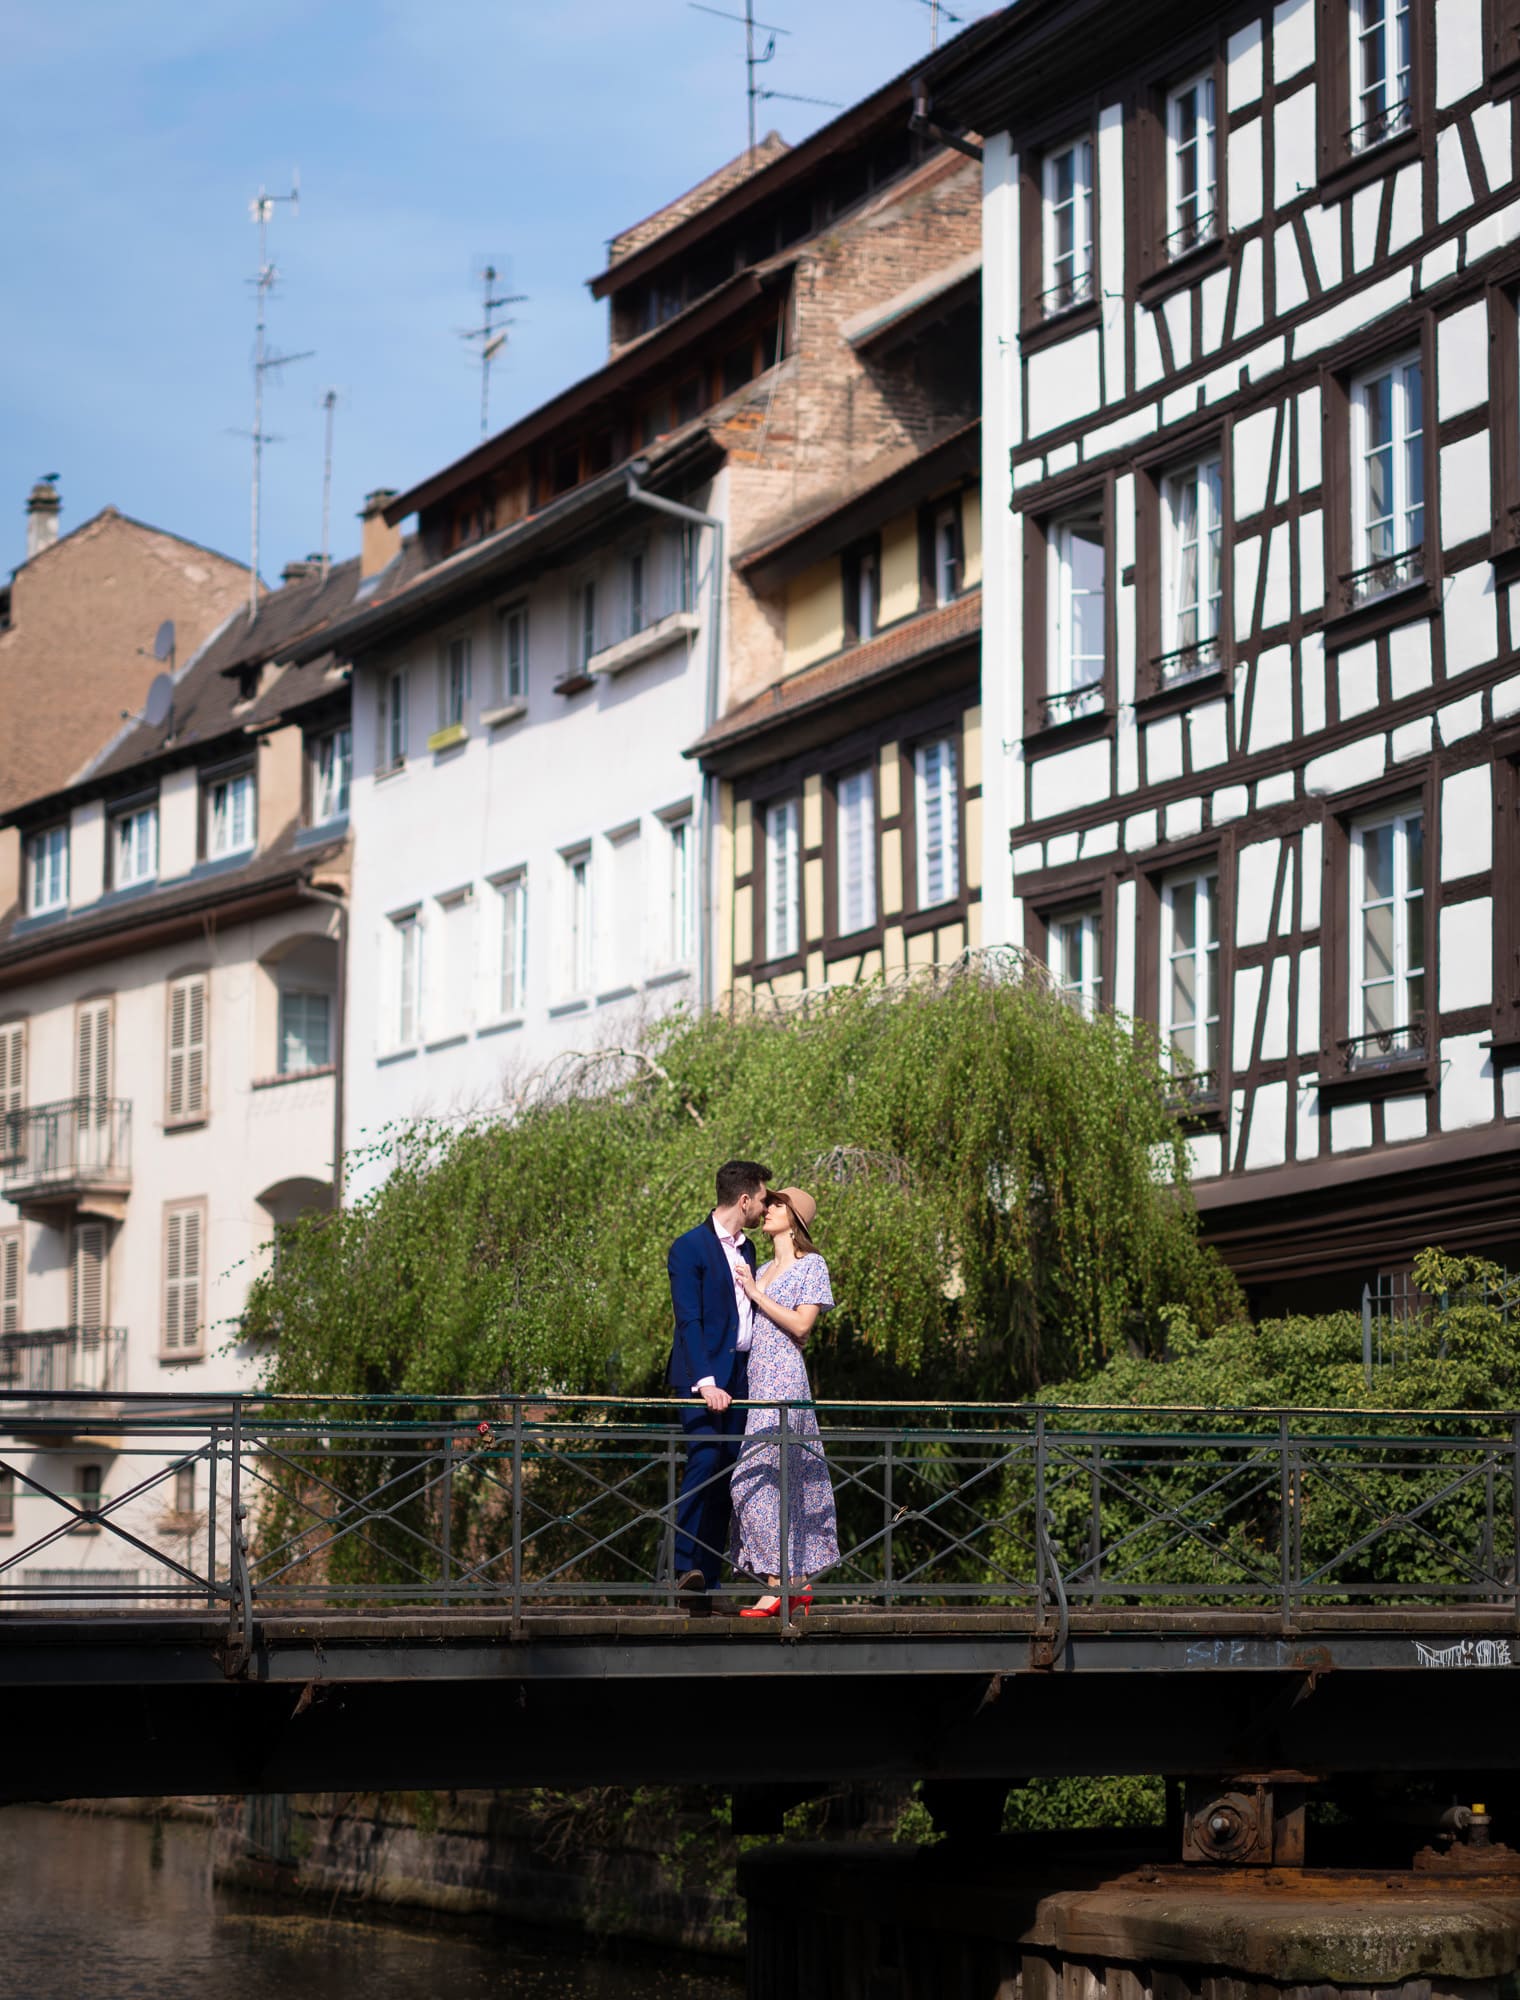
(736, 1263)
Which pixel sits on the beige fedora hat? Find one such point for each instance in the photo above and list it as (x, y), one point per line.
(801, 1203)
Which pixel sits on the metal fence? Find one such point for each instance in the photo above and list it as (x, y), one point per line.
(531, 1505)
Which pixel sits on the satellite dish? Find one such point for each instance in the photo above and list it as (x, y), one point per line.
(163, 644)
(160, 697)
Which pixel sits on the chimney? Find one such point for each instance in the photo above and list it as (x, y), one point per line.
(380, 541)
(301, 570)
(42, 505)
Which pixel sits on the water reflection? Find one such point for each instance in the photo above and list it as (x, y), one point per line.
(106, 1909)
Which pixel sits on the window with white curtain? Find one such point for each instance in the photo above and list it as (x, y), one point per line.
(1078, 617)
(1193, 525)
(305, 1030)
(1191, 169)
(1388, 927)
(937, 821)
(1388, 475)
(1190, 969)
(1075, 956)
(512, 938)
(1381, 49)
(783, 879)
(134, 845)
(230, 814)
(331, 770)
(855, 839)
(1068, 227)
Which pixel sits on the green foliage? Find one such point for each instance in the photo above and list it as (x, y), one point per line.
(1063, 1805)
(1002, 1194)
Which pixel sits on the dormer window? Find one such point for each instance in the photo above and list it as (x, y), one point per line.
(134, 844)
(47, 870)
(230, 805)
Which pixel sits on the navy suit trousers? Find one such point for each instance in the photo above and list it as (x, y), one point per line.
(705, 1507)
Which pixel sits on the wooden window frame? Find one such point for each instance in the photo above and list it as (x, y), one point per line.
(1074, 898)
(1042, 721)
(1345, 620)
(1505, 1030)
(917, 916)
(1148, 177)
(1191, 856)
(186, 1116)
(198, 1206)
(1152, 475)
(1041, 321)
(1504, 419)
(838, 943)
(766, 967)
(1342, 169)
(850, 576)
(1501, 44)
(1338, 1083)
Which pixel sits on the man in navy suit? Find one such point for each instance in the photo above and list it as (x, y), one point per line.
(710, 1358)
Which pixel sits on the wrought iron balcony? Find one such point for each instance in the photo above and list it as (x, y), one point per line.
(1385, 124)
(1189, 663)
(65, 1360)
(1386, 1048)
(77, 1152)
(1200, 228)
(1197, 1091)
(1073, 288)
(1395, 572)
(1070, 704)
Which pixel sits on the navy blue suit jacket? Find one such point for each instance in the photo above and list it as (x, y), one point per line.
(707, 1312)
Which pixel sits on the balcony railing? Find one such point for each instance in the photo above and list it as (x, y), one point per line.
(1395, 572)
(77, 1143)
(65, 1359)
(1386, 1048)
(1070, 704)
(1197, 1091)
(1189, 663)
(1200, 228)
(1072, 288)
(1385, 124)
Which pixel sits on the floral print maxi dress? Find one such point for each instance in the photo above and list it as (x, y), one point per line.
(777, 1373)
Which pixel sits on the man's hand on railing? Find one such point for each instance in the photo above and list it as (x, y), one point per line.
(716, 1399)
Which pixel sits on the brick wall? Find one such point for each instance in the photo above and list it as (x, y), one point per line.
(69, 663)
(830, 414)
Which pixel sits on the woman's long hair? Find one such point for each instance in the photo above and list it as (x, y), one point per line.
(802, 1243)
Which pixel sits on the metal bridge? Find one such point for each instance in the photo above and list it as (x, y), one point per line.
(244, 1594)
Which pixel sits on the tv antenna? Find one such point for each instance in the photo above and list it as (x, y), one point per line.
(491, 333)
(329, 406)
(938, 12)
(265, 361)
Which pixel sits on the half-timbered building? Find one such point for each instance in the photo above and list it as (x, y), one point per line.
(1251, 693)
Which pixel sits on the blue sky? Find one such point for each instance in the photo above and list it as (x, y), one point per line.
(430, 135)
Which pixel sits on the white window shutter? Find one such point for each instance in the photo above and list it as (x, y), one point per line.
(184, 1265)
(92, 1050)
(87, 1305)
(10, 1281)
(13, 1066)
(185, 1092)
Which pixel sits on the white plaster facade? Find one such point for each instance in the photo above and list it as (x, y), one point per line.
(574, 813)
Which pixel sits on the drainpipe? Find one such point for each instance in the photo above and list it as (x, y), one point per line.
(340, 904)
(709, 795)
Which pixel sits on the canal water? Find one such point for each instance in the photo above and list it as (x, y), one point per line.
(93, 1908)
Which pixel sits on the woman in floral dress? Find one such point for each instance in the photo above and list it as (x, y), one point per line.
(787, 1295)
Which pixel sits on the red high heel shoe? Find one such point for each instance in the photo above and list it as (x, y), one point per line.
(773, 1610)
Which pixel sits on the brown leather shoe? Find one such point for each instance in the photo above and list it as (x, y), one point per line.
(691, 1588)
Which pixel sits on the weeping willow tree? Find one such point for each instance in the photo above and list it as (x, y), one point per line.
(1002, 1198)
